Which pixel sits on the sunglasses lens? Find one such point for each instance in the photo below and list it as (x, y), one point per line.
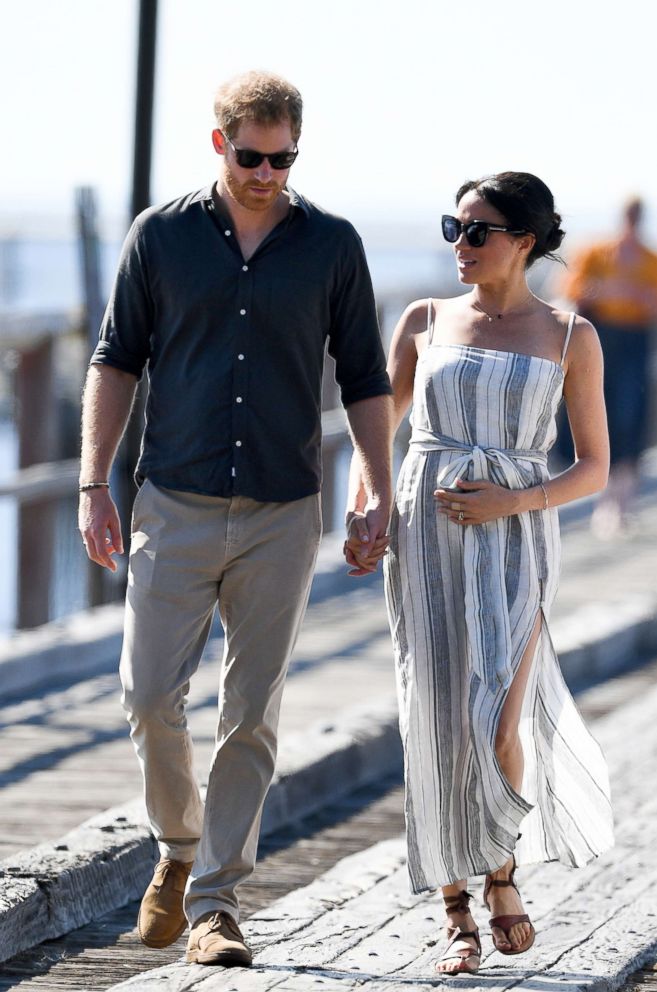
(476, 233)
(247, 158)
(451, 229)
(282, 160)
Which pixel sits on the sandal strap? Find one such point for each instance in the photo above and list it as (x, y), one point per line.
(455, 933)
(507, 921)
(458, 903)
(501, 882)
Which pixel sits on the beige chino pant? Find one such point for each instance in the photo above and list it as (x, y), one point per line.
(255, 560)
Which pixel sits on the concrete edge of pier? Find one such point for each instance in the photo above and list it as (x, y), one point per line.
(107, 861)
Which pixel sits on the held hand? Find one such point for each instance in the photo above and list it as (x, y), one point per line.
(479, 502)
(98, 522)
(366, 542)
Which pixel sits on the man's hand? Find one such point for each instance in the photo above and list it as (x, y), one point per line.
(367, 540)
(98, 521)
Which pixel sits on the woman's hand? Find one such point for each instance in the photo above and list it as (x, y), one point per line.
(477, 502)
(359, 552)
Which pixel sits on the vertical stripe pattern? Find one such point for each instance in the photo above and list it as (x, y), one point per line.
(462, 603)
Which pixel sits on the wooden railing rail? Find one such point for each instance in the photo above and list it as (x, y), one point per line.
(48, 480)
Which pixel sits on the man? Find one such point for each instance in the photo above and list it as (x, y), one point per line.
(614, 284)
(227, 296)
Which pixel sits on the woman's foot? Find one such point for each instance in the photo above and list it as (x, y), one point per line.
(463, 952)
(511, 929)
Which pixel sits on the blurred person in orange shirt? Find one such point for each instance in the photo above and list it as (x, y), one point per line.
(614, 284)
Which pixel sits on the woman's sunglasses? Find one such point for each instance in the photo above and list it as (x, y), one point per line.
(247, 158)
(476, 231)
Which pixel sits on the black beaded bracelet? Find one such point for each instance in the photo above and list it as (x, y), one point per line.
(85, 487)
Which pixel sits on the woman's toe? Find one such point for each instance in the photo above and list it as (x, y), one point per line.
(500, 938)
(519, 934)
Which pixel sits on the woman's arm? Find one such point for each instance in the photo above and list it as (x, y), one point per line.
(583, 393)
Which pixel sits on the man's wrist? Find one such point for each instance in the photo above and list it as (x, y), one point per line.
(85, 487)
(378, 503)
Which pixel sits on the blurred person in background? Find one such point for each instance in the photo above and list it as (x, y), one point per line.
(614, 284)
(500, 769)
(227, 297)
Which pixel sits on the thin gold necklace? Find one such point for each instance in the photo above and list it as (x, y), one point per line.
(500, 316)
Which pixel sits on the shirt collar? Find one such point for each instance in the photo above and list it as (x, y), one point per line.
(296, 200)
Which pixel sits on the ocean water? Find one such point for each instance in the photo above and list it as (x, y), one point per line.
(38, 275)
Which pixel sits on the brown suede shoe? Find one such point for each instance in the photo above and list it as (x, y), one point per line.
(161, 916)
(216, 939)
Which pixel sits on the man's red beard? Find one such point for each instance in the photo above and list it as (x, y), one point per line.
(241, 192)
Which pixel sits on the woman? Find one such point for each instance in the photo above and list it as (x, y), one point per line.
(500, 770)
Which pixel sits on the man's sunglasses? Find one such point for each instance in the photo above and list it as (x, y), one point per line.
(247, 158)
(476, 231)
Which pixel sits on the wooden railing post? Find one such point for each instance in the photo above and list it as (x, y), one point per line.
(37, 436)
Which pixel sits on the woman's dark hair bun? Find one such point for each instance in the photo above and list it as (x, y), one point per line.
(527, 204)
(555, 236)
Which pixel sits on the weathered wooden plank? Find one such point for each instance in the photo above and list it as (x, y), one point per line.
(74, 881)
(376, 933)
(94, 875)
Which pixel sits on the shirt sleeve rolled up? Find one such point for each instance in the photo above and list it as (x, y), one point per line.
(125, 332)
(354, 339)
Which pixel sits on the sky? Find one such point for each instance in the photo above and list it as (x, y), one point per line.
(403, 101)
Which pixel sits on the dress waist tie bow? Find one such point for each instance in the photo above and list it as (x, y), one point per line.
(486, 610)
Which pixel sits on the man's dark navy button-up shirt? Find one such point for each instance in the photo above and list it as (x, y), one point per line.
(235, 349)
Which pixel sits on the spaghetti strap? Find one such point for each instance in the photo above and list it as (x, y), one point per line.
(568, 333)
(430, 319)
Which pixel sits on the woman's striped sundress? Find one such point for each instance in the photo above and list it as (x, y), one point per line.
(462, 603)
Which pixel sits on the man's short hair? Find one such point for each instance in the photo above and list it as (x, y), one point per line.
(258, 97)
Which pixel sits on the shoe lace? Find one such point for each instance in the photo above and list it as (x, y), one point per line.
(164, 868)
(224, 920)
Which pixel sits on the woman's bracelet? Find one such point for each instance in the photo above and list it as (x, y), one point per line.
(545, 496)
(86, 486)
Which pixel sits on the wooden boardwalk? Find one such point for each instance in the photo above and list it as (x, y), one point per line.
(66, 755)
(358, 926)
(101, 954)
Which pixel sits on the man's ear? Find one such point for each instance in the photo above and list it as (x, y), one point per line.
(218, 142)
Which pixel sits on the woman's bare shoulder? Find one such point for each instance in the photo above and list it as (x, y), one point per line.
(581, 326)
(583, 341)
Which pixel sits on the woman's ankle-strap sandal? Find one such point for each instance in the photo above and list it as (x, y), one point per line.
(466, 958)
(508, 920)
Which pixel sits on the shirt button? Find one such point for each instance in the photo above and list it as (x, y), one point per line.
(242, 312)
(238, 399)
(228, 233)
(245, 268)
(241, 358)
(238, 444)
